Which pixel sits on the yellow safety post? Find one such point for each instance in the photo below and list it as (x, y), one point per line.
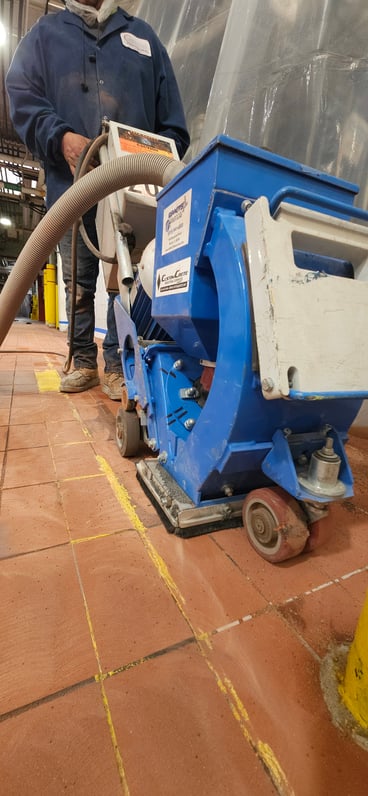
(49, 286)
(354, 688)
(56, 306)
(34, 312)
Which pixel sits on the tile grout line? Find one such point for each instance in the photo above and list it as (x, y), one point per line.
(11, 714)
(236, 622)
(123, 498)
(309, 592)
(263, 752)
(232, 624)
(150, 657)
(325, 585)
(5, 456)
(295, 597)
(294, 630)
(98, 678)
(267, 755)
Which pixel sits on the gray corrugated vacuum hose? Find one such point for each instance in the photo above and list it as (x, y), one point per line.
(83, 194)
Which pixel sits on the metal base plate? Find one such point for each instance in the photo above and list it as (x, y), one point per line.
(322, 489)
(178, 511)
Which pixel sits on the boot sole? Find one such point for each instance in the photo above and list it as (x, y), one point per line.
(92, 383)
(110, 394)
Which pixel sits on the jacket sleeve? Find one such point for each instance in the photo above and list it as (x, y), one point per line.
(170, 119)
(33, 116)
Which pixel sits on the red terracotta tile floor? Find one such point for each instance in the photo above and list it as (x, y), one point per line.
(135, 662)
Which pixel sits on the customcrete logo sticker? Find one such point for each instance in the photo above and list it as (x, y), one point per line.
(173, 278)
(176, 223)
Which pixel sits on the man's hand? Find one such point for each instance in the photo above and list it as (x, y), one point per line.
(72, 145)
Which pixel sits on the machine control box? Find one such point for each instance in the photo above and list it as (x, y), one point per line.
(136, 204)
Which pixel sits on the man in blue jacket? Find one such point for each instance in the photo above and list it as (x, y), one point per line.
(73, 68)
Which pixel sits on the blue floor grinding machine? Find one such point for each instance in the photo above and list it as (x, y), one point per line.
(242, 347)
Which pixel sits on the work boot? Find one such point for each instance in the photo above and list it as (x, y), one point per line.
(79, 380)
(112, 385)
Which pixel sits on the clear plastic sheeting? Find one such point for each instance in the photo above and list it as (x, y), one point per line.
(192, 33)
(295, 81)
(283, 74)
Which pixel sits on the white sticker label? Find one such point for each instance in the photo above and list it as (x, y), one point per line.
(173, 278)
(141, 46)
(176, 223)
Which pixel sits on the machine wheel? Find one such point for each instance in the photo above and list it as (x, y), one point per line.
(320, 532)
(127, 432)
(126, 402)
(275, 524)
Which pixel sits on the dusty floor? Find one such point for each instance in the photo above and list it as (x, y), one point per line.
(134, 662)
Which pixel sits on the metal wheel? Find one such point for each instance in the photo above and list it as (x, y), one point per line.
(127, 432)
(275, 524)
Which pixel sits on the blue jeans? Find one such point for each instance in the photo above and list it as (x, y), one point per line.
(84, 346)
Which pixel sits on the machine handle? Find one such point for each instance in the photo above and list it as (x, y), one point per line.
(314, 198)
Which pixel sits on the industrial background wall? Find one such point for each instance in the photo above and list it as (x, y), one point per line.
(284, 74)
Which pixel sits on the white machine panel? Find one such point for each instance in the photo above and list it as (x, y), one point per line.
(137, 203)
(134, 205)
(311, 328)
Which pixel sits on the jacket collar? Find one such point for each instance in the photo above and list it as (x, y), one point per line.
(118, 21)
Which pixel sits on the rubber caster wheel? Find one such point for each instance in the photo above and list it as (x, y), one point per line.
(320, 532)
(127, 432)
(275, 524)
(126, 402)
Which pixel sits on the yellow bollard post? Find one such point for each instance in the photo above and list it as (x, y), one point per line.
(34, 313)
(50, 294)
(354, 688)
(56, 305)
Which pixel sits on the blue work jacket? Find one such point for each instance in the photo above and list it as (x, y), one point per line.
(62, 78)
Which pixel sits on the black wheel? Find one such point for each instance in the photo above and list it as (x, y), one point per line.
(127, 432)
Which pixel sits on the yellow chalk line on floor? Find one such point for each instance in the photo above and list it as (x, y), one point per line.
(123, 497)
(263, 750)
(82, 539)
(100, 680)
(80, 477)
(77, 416)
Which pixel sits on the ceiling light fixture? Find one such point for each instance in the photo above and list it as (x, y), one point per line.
(5, 222)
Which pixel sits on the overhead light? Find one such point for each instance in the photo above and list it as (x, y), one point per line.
(3, 34)
(5, 222)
